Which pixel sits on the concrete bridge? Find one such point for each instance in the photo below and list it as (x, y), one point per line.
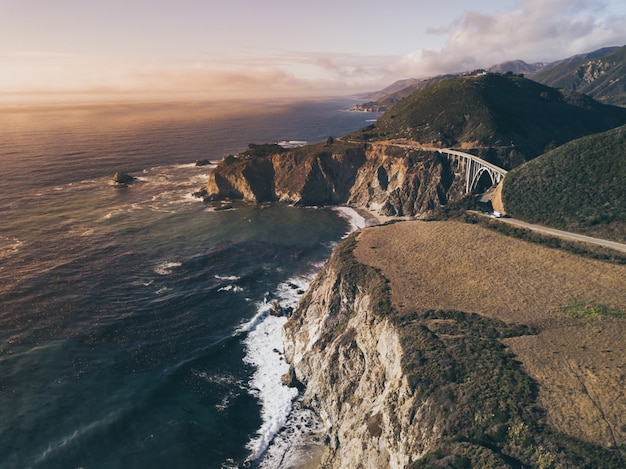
(474, 168)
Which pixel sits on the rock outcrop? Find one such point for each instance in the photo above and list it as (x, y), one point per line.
(123, 178)
(406, 386)
(348, 356)
(388, 179)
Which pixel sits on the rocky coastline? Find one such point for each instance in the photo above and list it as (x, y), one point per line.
(404, 381)
(400, 376)
(388, 180)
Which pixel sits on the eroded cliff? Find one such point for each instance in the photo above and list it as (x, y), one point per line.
(408, 386)
(387, 179)
(347, 354)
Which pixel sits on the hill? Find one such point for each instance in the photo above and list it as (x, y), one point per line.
(603, 78)
(580, 186)
(396, 92)
(506, 119)
(403, 344)
(402, 88)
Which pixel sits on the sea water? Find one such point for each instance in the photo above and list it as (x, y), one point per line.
(133, 320)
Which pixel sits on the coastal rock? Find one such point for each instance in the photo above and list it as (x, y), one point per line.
(200, 193)
(123, 178)
(290, 380)
(422, 383)
(276, 309)
(399, 181)
(348, 355)
(250, 179)
(390, 180)
(203, 162)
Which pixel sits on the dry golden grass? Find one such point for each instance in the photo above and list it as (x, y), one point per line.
(579, 364)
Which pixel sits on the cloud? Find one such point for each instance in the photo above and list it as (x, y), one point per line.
(279, 74)
(32, 72)
(536, 30)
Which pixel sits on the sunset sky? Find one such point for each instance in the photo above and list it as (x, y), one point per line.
(214, 48)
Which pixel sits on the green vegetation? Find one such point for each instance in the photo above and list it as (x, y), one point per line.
(489, 404)
(354, 273)
(457, 361)
(263, 150)
(508, 118)
(355, 278)
(580, 249)
(601, 78)
(590, 309)
(580, 186)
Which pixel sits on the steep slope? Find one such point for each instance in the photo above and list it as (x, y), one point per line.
(507, 119)
(580, 186)
(603, 78)
(387, 179)
(403, 88)
(409, 380)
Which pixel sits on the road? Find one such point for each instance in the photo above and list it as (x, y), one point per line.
(565, 234)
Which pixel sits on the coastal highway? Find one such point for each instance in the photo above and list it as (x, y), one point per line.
(563, 234)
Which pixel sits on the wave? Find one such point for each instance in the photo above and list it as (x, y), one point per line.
(9, 247)
(166, 267)
(292, 143)
(264, 350)
(355, 220)
(233, 288)
(79, 432)
(231, 278)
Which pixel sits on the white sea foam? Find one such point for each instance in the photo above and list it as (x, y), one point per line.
(292, 143)
(355, 219)
(233, 288)
(299, 441)
(264, 350)
(10, 247)
(166, 267)
(231, 278)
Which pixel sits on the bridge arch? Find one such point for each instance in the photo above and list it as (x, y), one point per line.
(474, 168)
(479, 176)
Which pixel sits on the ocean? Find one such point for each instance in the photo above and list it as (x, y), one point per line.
(133, 320)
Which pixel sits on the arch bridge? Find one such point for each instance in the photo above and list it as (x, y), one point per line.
(474, 168)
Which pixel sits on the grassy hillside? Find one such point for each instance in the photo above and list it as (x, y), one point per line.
(530, 409)
(602, 78)
(509, 119)
(580, 186)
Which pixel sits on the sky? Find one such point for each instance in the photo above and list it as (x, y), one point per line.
(279, 48)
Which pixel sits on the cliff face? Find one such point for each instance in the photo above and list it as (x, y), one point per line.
(397, 181)
(387, 179)
(401, 385)
(348, 355)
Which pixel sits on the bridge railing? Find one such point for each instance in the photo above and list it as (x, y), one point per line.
(474, 168)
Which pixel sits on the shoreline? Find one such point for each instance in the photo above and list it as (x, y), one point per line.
(300, 434)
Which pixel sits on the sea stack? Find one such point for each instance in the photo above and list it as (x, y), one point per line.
(123, 178)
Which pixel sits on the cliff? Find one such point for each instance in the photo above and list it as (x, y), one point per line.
(402, 377)
(348, 355)
(388, 179)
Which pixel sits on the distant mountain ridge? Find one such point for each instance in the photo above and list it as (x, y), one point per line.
(547, 73)
(505, 119)
(602, 77)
